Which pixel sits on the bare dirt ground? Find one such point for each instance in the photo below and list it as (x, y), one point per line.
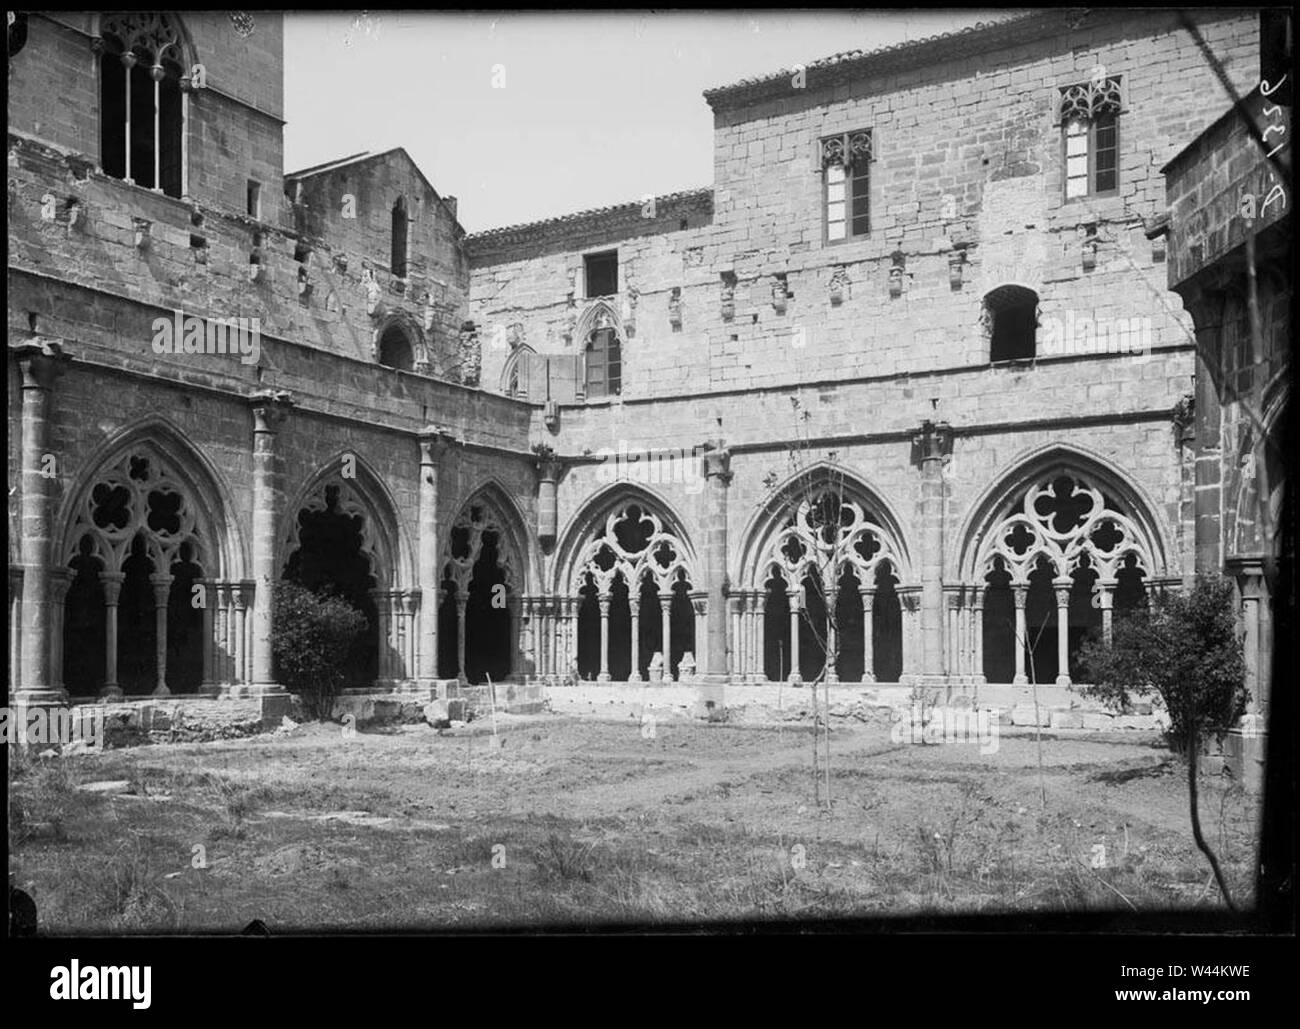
(572, 822)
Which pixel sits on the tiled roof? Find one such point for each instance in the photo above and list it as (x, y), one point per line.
(972, 39)
(506, 230)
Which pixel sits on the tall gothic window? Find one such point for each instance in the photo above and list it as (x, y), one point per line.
(400, 222)
(604, 364)
(1090, 131)
(847, 187)
(141, 107)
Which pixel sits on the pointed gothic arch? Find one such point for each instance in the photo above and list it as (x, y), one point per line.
(149, 552)
(514, 372)
(601, 341)
(1047, 554)
(824, 544)
(630, 589)
(342, 533)
(482, 579)
(145, 64)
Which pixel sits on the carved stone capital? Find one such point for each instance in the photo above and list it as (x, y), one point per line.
(717, 461)
(270, 408)
(434, 442)
(41, 361)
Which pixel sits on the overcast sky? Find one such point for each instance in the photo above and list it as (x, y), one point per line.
(596, 109)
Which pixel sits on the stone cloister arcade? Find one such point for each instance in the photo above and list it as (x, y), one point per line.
(154, 590)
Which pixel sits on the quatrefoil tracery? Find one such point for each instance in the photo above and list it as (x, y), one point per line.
(827, 534)
(136, 496)
(633, 547)
(1069, 529)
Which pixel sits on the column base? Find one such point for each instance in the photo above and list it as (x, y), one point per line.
(110, 692)
(634, 677)
(603, 677)
(265, 689)
(1063, 680)
(272, 706)
(160, 691)
(1020, 680)
(1244, 751)
(32, 700)
(52, 697)
(710, 696)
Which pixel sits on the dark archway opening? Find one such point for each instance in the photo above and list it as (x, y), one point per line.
(184, 626)
(812, 630)
(330, 561)
(588, 633)
(395, 349)
(448, 644)
(1041, 625)
(681, 626)
(620, 631)
(999, 627)
(848, 629)
(887, 628)
(84, 625)
(137, 625)
(487, 616)
(776, 629)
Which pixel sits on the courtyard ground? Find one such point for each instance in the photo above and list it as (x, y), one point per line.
(568, 822)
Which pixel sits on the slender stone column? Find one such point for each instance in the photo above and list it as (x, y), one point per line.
(434, 443)
(40, 362)
(112, 583)
(1253, 588)
(666, 611)
(60, 580)
(411, 608)
(830, 590)
(760, 636)
(603, 601)
(1062, 630)
(700, 607)
(1020, 594)
(529, 618)
(380, 600)
(868, 594)
(1105, 600)
(162, 588)
(909, 599)
(793, 596)
(933, 441)
(462, 599)
(15, 629)
(952, 636)
(225, 635)
(717, 478)
(242, 595)
(977, 630)
(209, 635)
(515, 605)
(634, 603)
(575, 608)
(270, 408)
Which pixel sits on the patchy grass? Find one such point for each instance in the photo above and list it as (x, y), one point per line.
(583, 823)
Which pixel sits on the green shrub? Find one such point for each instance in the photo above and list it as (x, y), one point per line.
(1185, 649)
(313, 636)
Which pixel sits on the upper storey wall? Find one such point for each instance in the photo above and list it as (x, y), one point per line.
(968, 156)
